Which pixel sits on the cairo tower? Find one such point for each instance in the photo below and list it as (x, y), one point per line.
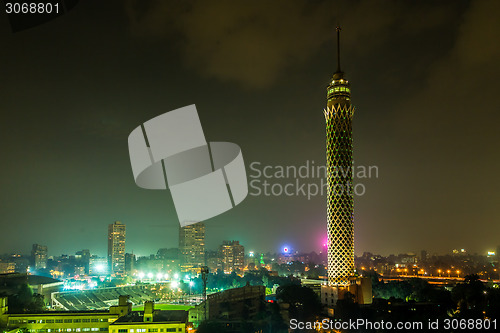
(339, 113)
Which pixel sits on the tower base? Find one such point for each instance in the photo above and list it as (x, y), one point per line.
(360, 290)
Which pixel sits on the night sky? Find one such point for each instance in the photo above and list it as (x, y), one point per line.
(424, 79)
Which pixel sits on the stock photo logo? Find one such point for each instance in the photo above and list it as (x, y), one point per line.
(170, 152)
(309, 179)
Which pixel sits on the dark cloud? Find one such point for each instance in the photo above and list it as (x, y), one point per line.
(255, 43)
(249, 42)
(447, 130)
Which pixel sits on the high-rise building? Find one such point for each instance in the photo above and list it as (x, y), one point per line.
(339, 113)
(232, 255)
(39, 256)
(116, 248)
(192, 247)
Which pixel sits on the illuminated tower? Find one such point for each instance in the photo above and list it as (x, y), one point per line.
(340, 201)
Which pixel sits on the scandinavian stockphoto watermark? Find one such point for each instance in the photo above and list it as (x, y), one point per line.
(170, 152)
(362, 324)
(308, 180)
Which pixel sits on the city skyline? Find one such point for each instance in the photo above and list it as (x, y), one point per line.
(425, 91)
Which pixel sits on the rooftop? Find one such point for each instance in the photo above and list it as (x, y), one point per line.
(159, 316)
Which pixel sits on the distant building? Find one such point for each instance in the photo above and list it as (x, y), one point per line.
(168, 253)
(171, 258)
(39, 256)
(22, 262)
(79, 270)
(213, 260)
(83, 257)
(98, 266)
(192, 247)
(232, 255)
(423, 255)
(7, 267)
(129, 263)
(406, 260)
(116, 248)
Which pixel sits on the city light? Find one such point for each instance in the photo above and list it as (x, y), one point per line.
(68, 179)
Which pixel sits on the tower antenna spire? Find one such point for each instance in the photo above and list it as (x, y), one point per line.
(338, 48)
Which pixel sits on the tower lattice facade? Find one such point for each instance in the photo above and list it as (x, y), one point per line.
(340, 202)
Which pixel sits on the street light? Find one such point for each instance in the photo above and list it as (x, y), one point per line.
(191, 283)
(439, 271)
(448, 273)
(458, 273)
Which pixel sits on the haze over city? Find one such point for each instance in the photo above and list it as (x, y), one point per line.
(423, 80)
